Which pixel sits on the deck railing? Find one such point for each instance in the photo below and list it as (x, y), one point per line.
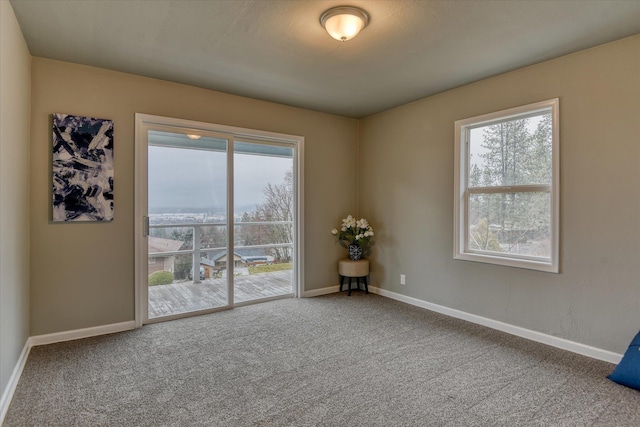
(196, 251)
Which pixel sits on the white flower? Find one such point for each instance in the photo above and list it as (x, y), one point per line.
(353, 231)
(349, 222)
(362, 223)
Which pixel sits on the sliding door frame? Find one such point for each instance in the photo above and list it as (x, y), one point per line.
(146, 122)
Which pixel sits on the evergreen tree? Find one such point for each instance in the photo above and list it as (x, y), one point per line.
(512, 154)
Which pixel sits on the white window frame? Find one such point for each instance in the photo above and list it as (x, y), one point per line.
(461, 192)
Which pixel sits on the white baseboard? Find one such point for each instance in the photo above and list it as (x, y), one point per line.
(583, 349)
(321, 291)
(7, 395)
(81, 333)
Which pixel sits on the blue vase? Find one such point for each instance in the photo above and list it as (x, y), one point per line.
(355, 252)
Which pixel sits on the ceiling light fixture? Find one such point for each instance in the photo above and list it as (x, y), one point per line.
(344, 22)
(194, 136)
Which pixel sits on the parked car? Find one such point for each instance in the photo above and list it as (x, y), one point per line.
(201, 273)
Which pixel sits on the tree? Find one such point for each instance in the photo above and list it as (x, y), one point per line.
(185, 234)
(249, 235)
(480, 237)
(515, 152)
(277, 207)
(214, 236)
(507, 145)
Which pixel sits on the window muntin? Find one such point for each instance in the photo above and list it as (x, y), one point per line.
(507, 187)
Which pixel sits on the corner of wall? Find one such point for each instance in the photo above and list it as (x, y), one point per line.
(15, 112)
(358, 167)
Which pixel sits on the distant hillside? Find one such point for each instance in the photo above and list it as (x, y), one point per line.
(201, 210)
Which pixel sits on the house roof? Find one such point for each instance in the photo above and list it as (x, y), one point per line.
(277, 50)
(157, 244)
(223, 254)
(244, 252)
(205, 261)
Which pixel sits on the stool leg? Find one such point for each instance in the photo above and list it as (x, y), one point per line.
(341, 281)
(349, 286)
(366, 285)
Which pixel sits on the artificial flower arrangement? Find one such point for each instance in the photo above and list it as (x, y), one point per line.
(357, 233)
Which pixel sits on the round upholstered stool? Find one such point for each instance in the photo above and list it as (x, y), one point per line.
(353, 270)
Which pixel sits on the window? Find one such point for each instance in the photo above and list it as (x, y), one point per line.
(507, 187)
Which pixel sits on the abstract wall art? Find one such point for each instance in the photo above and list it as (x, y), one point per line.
(82, 168)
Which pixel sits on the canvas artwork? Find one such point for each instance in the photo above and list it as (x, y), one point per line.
(82, 168)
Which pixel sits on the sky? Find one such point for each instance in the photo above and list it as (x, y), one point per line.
(197, 178)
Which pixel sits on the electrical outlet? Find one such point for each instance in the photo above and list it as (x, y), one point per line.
(402, 281)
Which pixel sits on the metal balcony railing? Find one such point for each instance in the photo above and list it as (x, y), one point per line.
(197, 249)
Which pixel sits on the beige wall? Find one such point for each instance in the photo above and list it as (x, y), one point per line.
(406, 192)
(15, 72)
(84, 274)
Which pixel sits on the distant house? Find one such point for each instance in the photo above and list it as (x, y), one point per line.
(210, 268)
(162, 262)
(220, 260)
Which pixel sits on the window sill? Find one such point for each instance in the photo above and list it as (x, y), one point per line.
(548, 267)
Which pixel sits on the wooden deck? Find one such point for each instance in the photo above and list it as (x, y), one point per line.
(166, 300)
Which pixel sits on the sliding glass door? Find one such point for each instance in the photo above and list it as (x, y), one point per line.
(187, 223)
(264, 220)
(220, 218)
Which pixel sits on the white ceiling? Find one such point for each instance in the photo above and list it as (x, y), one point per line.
(276, 50)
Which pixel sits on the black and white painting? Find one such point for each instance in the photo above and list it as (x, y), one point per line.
(82, 168)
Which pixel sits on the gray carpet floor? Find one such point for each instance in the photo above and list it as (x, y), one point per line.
(334, 360)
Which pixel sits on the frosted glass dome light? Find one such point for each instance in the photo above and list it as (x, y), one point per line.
(344, 22)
